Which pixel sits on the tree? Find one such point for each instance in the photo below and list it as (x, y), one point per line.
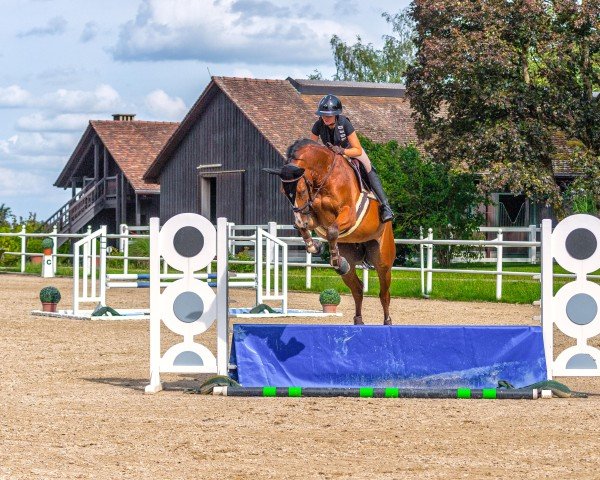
(425, 194)
(364, 63)
(494, 82)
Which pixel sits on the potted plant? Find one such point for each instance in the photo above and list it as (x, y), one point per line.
(49, 296)
(47, 245)
(329, 299)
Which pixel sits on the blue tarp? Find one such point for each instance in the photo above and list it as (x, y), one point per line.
(382, 356)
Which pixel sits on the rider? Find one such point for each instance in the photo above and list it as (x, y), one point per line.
(336, 131)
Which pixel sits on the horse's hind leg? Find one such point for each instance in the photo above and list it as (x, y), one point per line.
(385, 281)
(381, 254)
(356, 287)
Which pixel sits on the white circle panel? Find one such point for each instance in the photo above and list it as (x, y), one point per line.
(561, 303)
(203, 243)
(559, 240)
(198, 321)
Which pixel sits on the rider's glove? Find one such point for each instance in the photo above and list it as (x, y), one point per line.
(336, 149)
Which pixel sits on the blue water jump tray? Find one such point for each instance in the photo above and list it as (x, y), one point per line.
(381, 356)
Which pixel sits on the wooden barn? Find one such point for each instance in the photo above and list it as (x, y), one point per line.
(213, 162)
(105, 174)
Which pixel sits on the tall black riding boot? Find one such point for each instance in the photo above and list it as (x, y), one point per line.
(385, 212)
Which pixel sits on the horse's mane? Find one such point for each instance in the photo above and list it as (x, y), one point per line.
(292, 151)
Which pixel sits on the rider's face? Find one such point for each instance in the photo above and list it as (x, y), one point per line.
(328, 120)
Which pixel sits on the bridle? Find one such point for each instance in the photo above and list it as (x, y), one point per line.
(313, 187)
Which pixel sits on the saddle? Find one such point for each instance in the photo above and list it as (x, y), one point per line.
(361, 174)
(362, 204)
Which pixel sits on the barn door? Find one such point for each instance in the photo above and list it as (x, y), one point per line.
(207, 197)
(230, 197)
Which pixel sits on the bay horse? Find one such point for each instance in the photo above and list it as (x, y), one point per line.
(327, 198)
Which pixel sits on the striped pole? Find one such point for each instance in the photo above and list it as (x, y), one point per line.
(370, 392)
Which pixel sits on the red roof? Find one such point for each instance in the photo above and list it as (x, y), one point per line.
(283, 113)
(134, 145)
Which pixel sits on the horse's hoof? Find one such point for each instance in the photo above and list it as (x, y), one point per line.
(387, 321)
(316, 248)
(358, 320)
(344, 267)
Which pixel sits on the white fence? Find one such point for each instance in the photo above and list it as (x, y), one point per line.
(273, 286)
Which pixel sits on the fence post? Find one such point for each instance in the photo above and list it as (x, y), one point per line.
(272, 227)
(102, 259)
(499, 253)
(230, 243)
(23, 247)
(429, 263)
(124, 246)
(421, 249)
(284, 280)
(532, 238)
(308, 272)
(54, 247)
(258, 265)
(365, 279)
(86, 254)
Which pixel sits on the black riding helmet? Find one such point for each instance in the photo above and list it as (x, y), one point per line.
(329, 105)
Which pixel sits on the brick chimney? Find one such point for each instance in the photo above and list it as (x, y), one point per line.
(123, 117)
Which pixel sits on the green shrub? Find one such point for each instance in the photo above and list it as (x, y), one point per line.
(34, 245)
(329, 296)
(140, 247)
(49, 295)
(243, 255)
(47, 243)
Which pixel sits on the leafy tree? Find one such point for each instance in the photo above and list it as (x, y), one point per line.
(427, 194)
(362, 62)
(493, 83)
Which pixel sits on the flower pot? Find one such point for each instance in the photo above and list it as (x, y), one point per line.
(47, 251)
(49, 307)
(37, 260)
(329, 308)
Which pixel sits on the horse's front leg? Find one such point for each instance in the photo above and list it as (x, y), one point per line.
(339, 263)
(313, 245)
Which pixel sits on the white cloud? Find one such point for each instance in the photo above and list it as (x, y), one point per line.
(243, 72)
(103, 99)
(226, 31)
(14, 183)
(68, 122)
(14, 96)
(90, 31)
(164, 107)
(29, 146)
(54, 26)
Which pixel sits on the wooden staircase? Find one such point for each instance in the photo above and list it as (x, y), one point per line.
(80, 210)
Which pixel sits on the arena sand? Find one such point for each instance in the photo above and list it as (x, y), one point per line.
(72, 406)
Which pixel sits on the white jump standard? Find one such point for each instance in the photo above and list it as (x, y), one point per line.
(188, 306)
(575, 309)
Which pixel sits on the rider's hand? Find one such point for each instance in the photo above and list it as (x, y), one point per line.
(336, 149)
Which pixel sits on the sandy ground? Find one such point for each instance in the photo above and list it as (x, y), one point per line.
(72, 406)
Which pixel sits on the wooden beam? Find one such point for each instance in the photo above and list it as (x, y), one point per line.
(138, 214)
(96, 160)
(123, 199)
(105, 170)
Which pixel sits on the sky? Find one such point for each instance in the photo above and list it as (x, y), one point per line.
(65, 62)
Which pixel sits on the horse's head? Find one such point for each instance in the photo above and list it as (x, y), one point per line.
(307, 161)
(295, 190)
